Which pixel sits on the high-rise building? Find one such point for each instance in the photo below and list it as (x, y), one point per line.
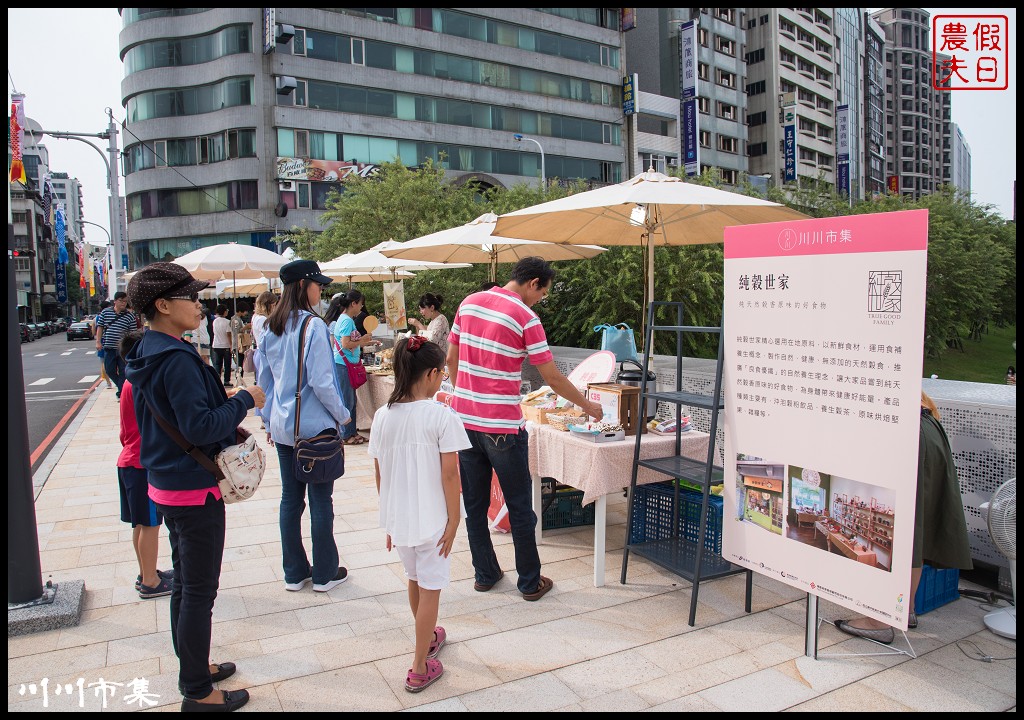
(850, 61)
(918, 146)
(873, 147)
(653, 52)
(960, 164)
(240, 121)
(791, 94)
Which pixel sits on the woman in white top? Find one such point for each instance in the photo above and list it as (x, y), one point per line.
(437, 330)
(414, 443)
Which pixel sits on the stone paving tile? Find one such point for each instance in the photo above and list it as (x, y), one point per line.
(537, 693)
(624, 647)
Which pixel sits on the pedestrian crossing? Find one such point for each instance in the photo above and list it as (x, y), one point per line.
(46, 381)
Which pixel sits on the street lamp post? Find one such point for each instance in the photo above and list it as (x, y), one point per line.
(109, 245)
(114, 203)
(543, 177)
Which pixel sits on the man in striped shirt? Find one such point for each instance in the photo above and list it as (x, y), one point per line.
(493, 332)
(111, 325)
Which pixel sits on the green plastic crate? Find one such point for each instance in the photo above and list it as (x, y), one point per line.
(563, 507)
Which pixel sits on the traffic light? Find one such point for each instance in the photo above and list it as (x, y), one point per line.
(24, 253)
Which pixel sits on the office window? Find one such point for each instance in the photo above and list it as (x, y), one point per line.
(726, 79)
(728, 144)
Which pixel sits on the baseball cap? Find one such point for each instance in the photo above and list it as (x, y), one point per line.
(303, 270)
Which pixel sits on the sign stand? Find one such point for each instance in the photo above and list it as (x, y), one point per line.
(811, 637)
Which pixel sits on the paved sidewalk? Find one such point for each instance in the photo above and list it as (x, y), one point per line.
(620, 647)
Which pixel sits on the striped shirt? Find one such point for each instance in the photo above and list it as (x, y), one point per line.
(115, 326)
(495, 331)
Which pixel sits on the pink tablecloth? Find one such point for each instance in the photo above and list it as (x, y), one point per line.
(373, 394)
(602, 468)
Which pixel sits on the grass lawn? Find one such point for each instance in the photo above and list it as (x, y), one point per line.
(983, 362)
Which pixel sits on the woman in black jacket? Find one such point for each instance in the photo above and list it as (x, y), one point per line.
(169, 379)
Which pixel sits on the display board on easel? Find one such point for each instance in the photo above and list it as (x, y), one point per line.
(824, 336)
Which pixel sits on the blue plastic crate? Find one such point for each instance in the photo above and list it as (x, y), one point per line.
(937, 588)
(652, 515)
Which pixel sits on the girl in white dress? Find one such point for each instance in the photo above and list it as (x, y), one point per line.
(414, 441)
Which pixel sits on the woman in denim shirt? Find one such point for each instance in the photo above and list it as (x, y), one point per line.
(321, 409)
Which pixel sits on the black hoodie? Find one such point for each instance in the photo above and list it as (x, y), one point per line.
(187, 393)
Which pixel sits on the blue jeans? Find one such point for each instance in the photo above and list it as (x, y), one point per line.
(196, 533)
(507, 455)
(222, 362)
(114, 367)
(321, 520)
(348, 399)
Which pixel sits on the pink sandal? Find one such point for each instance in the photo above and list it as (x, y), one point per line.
(414, 682)
(439, 638)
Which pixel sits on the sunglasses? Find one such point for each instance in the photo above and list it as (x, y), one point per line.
(194, 297)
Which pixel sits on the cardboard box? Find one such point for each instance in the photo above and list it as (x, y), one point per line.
(536, 414)
(621, 403)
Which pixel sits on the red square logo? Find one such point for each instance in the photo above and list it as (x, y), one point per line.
(970, 52)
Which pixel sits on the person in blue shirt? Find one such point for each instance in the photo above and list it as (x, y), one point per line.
(321, 409)
(348, 344)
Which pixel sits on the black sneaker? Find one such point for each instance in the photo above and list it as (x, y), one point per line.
(341, 577)
(162, 574)
(161, 590)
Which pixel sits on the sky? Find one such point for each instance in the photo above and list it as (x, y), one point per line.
(65, 61)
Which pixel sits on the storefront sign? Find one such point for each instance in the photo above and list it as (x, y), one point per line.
(843, 150)
(762, 483)
(824, 331)
(894, 184)
(61, 281)
(629, 87)
(790, 153)
(289, 168)
(269, 30)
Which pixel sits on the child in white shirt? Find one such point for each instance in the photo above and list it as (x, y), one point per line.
(414, 442)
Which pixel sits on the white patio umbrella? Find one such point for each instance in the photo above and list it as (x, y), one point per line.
(475, 242)
(242, 288)
(374, 262)
(648, 210)
(336, 272)
(232, 261)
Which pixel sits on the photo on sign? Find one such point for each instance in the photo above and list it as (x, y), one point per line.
(840, 516)
(759, 486)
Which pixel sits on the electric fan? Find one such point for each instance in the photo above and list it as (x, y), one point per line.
(1002, 526)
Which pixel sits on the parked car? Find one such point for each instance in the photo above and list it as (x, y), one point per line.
(79, 331)
(35, 330)
(61, 324)
(26, 334)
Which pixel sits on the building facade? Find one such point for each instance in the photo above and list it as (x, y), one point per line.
(918, 143)
(873, 145)
(240, 121)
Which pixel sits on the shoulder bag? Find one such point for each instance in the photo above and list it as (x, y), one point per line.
(356, 371)
(619, 340)
(321, 458)
(238, 468)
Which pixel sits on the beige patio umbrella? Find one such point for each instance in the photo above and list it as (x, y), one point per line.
(475, 242)
(648, 210)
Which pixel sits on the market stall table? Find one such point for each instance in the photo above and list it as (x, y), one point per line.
(373, 394)
(599, 469)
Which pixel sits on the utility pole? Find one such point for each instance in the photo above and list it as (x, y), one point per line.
(113, 183)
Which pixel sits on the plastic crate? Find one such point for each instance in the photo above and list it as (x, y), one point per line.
(937, 588)
(652, 515)
(563, 507)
